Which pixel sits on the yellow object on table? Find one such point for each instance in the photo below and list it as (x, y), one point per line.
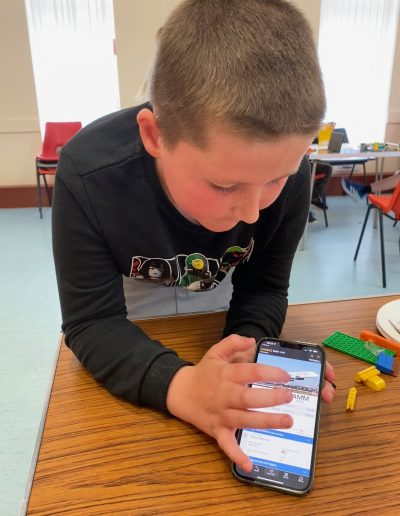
(351, 399)
(376, 383)
(365, 374)
(325, 133)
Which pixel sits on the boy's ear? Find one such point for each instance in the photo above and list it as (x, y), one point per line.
(149, 131)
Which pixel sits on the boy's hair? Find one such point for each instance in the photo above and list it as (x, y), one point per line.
(248, 65)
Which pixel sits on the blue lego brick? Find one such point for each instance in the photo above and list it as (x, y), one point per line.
(385, 363)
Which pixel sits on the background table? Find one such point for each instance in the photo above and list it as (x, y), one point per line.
(102, 456)
(348, 153)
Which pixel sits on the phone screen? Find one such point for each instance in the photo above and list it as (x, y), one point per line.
(285, 459)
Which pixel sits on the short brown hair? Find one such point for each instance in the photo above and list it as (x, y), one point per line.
(250, 65)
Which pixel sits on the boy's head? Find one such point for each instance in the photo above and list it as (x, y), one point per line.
(237, 96)
(250, 65)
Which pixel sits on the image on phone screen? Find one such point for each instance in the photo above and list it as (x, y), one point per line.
(284, 459)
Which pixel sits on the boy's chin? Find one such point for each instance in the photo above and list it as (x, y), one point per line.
(219, 226)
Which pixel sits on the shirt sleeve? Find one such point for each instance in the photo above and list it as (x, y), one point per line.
(116, 352)
(260, 286)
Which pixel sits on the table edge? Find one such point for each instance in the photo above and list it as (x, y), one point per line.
(32, 467)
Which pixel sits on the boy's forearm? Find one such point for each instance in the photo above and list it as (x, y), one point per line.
(117, 353)
(123, 358)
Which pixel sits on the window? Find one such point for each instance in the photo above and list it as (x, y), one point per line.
(356, 49)
(73, 59)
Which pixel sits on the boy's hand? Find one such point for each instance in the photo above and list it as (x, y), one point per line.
(328, 391)
(214, 395)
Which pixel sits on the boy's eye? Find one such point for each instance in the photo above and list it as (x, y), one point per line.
(223, 189)
(275, 182)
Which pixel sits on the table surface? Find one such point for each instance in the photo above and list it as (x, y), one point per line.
(100, 456)
(348, 152)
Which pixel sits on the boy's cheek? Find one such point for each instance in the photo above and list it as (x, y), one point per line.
(204, 203)
(271, 195)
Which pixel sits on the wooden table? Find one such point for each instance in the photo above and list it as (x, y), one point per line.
(101, 456)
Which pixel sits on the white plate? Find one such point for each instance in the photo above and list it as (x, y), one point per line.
(390, 311)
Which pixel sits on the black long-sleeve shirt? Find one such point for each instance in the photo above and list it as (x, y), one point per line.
(111, 218)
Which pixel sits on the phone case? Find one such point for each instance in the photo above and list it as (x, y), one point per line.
(271, 485)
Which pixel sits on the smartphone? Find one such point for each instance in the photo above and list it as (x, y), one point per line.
(285, 459)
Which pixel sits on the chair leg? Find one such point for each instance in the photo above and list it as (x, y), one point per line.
(365, 173)
(39, 194)
(323, 199)
(382, 249)
(352, 170)
(370, 207)
(47, 189)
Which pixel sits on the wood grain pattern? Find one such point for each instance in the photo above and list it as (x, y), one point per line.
(100, 455)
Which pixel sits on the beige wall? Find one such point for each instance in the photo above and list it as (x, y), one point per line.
(393, 125)
(312, 11)
(136, 25)
(19, 125)
(394, 100)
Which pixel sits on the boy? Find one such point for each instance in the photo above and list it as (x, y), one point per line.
(208, 179)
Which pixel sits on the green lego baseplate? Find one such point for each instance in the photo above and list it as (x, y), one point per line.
(355, 347)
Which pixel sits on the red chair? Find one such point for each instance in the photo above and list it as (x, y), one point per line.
(389, 206)
(55, 136)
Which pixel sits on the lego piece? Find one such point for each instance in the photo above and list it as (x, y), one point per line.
(380, 341)
(385, 363)
(376, 383)
(375, 350)
(363, 375)
(352, 346)
(396, 367)
(351, 399)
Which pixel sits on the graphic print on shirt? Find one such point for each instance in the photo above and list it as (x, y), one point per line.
(154, 270)
(194, 271)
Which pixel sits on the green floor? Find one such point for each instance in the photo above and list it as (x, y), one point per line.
(30, 316)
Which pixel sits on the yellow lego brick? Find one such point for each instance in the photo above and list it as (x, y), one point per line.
(363, 375)
(351, 399)
(376, 382)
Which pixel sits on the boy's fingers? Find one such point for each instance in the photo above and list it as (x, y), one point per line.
(227, 347)
(228, 444)
(243, 356)
(329, 372)
(245, 373)
(256, 419)
(244, 398)
(328, 392)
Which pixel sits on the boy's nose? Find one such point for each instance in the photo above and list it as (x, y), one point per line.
(248, 210)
